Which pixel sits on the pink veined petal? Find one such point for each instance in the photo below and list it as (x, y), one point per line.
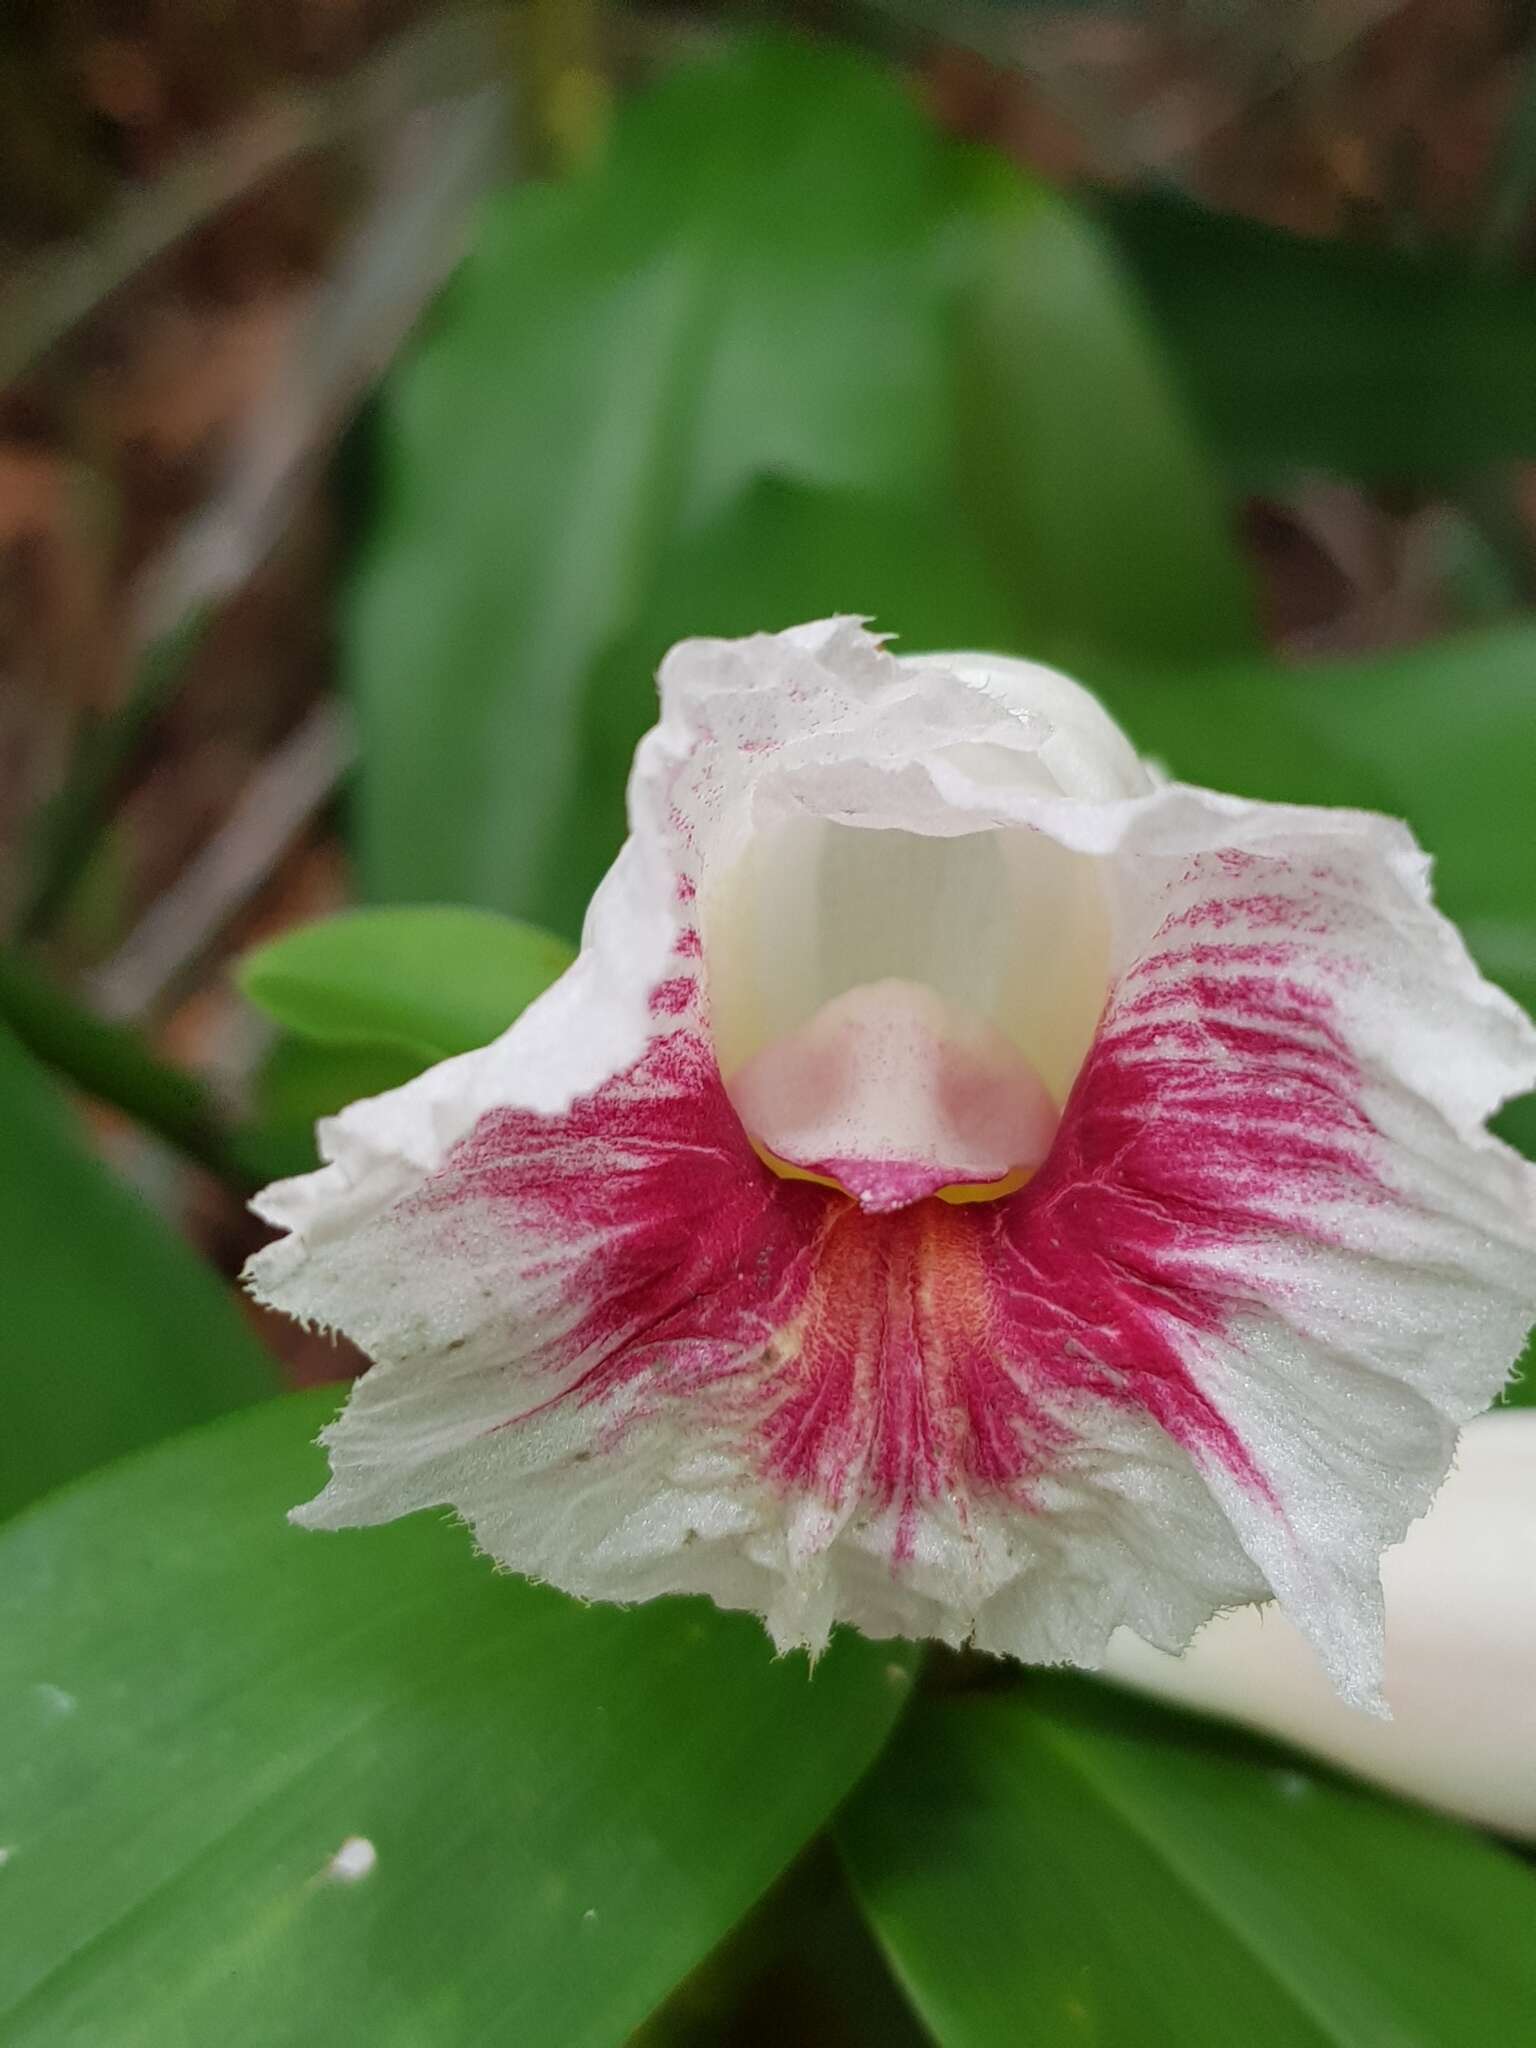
(1024, 1421)
(673, 1368)
(1217, 1347)
(1295, 1047)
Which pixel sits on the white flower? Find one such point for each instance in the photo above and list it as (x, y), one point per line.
(1461, 1649)
(964, 1188)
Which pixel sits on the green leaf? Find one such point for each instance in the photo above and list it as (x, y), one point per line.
(1084, 481)
(368, 998)
(1309, 354)
(744, 287)
(423, 982)
(1521, 1390)
(113, 1334)
(804, 1956)
(1077, 1871)
(199, 1705)
(300, 1080)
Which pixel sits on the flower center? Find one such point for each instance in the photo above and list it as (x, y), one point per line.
(891, 1093)
(904, 1015)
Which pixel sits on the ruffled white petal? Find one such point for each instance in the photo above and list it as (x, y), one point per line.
(1220, 1345)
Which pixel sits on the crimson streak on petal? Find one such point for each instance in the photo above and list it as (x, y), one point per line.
(872, 1361)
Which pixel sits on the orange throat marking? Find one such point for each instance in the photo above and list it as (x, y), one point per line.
(957, 1193)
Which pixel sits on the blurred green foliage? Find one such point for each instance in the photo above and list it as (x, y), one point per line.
(425, 983)
(1311, 355)
(115, 1333)
(1172, 1892)
(1085, 487)
(738, 292)
(368, 998)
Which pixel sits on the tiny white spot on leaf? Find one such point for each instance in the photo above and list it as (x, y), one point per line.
(355, 1859)
(5, 1857)
(56, 1699)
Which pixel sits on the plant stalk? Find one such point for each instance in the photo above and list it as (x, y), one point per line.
(113, 1064)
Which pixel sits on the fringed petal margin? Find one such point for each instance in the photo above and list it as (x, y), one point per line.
(1217, 1347)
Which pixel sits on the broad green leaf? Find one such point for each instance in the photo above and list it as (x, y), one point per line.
(801, 1967)
(1083, 480)
(1305, 354)
(368, 998)
(1059, 1869)
(113, 1333)
(200, 1706)
(420, 981)
(742, 288)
